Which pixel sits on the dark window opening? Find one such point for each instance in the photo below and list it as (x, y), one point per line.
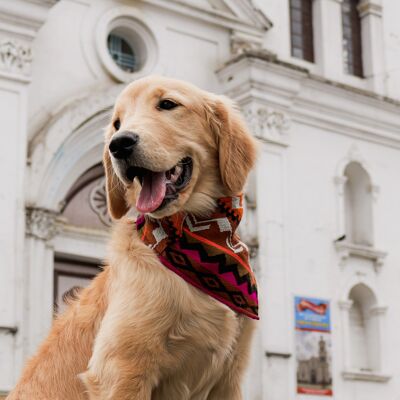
(301, 29)
(122, 52)
(70, 277)
(352, 45)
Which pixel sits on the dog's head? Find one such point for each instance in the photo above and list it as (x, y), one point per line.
(171, 146)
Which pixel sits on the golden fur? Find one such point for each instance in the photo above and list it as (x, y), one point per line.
(139, 331)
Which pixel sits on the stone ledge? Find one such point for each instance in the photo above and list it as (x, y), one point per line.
(347, 249)
(369, 376)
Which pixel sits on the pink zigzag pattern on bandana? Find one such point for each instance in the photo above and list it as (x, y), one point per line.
(207, 253)
(214, 269)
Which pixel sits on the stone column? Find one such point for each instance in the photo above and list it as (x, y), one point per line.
(248, 229)
(245, 79)
(19, 23)
(345, 307)
(328, 37)
(373, 44)
(41, 227)
(378, 345)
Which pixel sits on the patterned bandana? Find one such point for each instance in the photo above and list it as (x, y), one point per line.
(207, 253)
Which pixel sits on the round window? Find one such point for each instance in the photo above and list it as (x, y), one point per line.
(127, 48)
(122, 52)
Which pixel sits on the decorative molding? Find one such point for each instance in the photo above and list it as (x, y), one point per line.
(375, 190)
(41, 223)
(269, 125)
(378, 310)
(74, 115)
(345, 305)
(346, 250)
(15, 57)
(368, 7)
(241, 43)
(237, 15)
(249, 226)
(140, 36)
(23, 18)
(98, 202)
(278, 354)
(11, 330)
(370, 376)
(340, 182)
(253, 249)
(312, 100)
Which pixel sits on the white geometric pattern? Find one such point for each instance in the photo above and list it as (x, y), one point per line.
(223, 225)
(159, 234)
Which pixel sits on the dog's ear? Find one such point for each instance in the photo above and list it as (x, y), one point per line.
(236, 146)
(117, 206)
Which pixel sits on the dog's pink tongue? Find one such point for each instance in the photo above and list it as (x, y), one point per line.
(152, 193)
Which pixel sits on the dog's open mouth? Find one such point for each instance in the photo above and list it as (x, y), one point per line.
(160, 188)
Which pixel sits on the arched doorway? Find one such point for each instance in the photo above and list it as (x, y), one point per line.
(84, 215)
(67, 225)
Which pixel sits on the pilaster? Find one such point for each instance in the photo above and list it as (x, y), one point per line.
(328, 38)
(373, 44)
(19, 22)
(265, 225)
(41, 227)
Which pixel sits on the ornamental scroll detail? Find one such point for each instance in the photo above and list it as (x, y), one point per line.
(41, 223)
(98, 202)
(15, 57)
(268, 124)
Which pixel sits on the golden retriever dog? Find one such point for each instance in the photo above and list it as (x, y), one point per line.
(140, 331)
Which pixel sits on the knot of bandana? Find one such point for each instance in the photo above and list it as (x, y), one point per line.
(207, 253)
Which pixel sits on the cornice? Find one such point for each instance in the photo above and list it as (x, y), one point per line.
(311, 99)
(245, 16)
(23, 18)
(40, 223)
(370, 376)
(370, 7)
(19, 22)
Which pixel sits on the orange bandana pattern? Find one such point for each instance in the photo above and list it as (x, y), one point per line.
(207, 253)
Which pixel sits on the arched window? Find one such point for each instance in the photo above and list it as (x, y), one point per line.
(352, 44)
(363, 327)
(85, 204)
(301, 29)
(85, 217)
(358, 205)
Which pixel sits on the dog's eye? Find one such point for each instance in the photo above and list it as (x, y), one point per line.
(117, 124)
(166, 105)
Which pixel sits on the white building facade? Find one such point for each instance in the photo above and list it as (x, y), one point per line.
(319, 84)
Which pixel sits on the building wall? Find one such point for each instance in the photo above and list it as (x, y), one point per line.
(310, 119)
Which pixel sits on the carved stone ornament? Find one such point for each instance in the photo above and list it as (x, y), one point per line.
(268, 124)
(241, 44)
(15, 57)
(41, 223)
(98, 202)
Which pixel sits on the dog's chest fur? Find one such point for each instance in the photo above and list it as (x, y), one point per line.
(193, 335)
(207, 347)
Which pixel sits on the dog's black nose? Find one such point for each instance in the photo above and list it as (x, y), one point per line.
(122, 144)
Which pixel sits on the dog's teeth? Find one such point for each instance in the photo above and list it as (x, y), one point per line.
(178, 170)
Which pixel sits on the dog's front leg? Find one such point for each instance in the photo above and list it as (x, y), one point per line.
(130, 352)
(126, 359)
(229, 386)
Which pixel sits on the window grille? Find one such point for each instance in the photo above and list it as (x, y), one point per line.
(301, 26)
(352, 45)
(122, 53)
